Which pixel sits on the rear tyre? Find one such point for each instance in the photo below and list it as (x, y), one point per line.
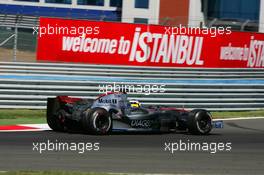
(56, 121)
(199, 122)
(97, 121)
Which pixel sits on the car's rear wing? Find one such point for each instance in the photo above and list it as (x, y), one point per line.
(53, 105)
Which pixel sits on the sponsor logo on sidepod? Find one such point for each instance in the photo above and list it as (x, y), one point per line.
(141, 123)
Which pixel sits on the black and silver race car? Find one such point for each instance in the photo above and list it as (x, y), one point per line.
(114, 112)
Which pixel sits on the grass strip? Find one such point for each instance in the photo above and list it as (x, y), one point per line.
(50, 173)
(22, 116)
(236, 114)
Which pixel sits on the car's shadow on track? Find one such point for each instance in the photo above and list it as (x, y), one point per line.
(120, 133)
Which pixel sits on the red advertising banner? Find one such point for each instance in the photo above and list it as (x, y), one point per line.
(82, 41)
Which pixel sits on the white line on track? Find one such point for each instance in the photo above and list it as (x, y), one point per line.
(37, 126)
(240, 118)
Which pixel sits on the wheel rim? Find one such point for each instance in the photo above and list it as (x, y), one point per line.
(204, 122)
(101, 122)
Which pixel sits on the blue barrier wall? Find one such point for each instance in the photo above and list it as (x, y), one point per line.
(59, 12)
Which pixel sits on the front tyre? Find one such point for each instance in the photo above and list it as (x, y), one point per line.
(97, 121)
(199, 122)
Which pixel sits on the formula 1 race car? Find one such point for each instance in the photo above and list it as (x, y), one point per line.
(113, 112)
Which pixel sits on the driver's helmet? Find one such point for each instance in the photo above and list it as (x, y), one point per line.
(134, 104)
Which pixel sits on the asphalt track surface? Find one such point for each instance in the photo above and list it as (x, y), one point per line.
(141, 153)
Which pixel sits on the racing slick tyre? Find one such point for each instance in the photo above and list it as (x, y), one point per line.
(97, 121)
(199, 122)
(56, 121)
